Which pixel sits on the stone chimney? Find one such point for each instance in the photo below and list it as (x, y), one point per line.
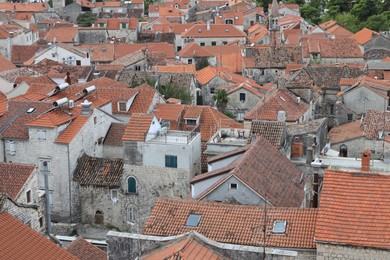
(366, 157)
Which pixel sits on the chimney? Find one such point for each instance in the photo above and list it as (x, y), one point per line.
(253, 137)
(366, 157)
(316, 165)
(282, 116)
(86, 108)
(208, 25)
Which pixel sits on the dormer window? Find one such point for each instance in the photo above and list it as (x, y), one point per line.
(102, 25)
(229, 21)
(191, 121)
(122, 106)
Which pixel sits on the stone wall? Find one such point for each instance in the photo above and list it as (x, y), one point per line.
(325, 251)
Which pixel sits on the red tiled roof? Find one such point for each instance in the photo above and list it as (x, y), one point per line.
(144, 99)
(22, 53)
(13, 177)
(85, 250)
(188, 247)
(121, 50)
(99, 52)
(332, 48)
(228, 56)
(168, 112)
(280, 100)
(375, 121)
(216, 31)
(114, 134)
(62, 34)
(5, 64)
(138, 127)
(364, 35)
(233, 224)
(19, 241)
(339, 31)
(52, 119)
(24, 7)
(356, 212)
(345, 132)
(176, 68)
(71, 131)
(193, 50)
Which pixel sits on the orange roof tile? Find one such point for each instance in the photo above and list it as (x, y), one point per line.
(387, 59)
(62, 34)
(24, 7)
(52, 119)
(236, 16)
(168, 112)
(339, 48)
(144, 99)
(108, 4)
(228, 56)
(170, 12)
(216, 31)
(138, 127)
(345, 132)
(327, 24)
(121, 50)
(13, 177)
(85, 250)
(193, 50)
(364, 35)
(99, 52)
(177, 68)
(355, 213)
(19, 241)
(339, 31)
(5, 64)
(71, 130)
(233, 224)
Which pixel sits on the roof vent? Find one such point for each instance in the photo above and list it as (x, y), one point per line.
(89, 90)
(86, 108)
(62, 86)
(236, 17)
(227, 30)
(60, 102)
(200, 30)
(30, 110)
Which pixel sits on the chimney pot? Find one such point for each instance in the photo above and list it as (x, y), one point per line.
(366, 157)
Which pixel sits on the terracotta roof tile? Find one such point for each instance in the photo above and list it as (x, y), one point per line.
(99, 52)
(355, 213)
(114, 134)
(375, 121)
(62, 34)
(19, 241)
(168, 112)
(5, 64)
(237, 16)
(233, 224)
(71, 130)
(24, 7)
(216, 30)
(339, 31)
(85, 250)
(228, 56)
(279, 100)
(51, 119)
(364, 35)
(176, 68)
(98, 171)
(327, 48)
(121, 50)
(345, 132)
(13, 177)
(192, 50)
(138, 127)
(272, 131)
(144, 99)
(22, 53)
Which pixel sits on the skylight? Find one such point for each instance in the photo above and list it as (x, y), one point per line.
(193, 220)
(279, 226)
(30, 110)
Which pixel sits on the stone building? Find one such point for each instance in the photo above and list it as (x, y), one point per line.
(378, 48)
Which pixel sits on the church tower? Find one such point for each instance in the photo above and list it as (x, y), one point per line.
(273, 23)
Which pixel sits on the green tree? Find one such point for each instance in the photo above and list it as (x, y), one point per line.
(365, 9)
(340, 5)
(379, 22)
(311, 14)
(173, 91)
(221, 99)
(298, 2)
(86, 19)
(348, 21)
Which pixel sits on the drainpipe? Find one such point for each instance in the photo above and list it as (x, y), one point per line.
(70, 188)
(47, 198)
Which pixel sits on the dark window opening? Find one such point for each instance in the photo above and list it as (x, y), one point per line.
(99, 217)
(131, 185)
(171, 161)
(242, 97)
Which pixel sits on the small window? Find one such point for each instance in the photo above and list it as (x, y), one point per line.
(28, 196)
(233, 186)
(224, 42)
(171, 161)
(114, 195)
(132, 213)
(193, 220)
(95, 120)
(190, 121)
(10, 147)
(202, 44)
(122, 107)
(279, 227)
(78, 62)
(189, 61)
(41, 135)
(178, 48)
(242, 97)
(131, 185)
(41, 222)
(349, 116)
(212, 90)
(123, 25)
(99, 217)
(138, 68)
(213, 43)
(102, 25)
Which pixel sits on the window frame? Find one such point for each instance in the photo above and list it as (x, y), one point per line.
(132, 213)
(114, 198)
(231, 186)
(135, 185)
(41, 135)
(121, 103)
(28, 196)
(10, 147)
(242, 97)
(170, 161)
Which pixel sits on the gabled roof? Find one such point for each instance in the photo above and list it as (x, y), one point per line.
(5, 64)
(245, 85)
(131, 58)
(13, 177)
(345, 132)
(168, 112)
(186, 247)
(24, 7)
(228, 56)
(193, 50)
(272, 131)
(85, 250)
(114, 134)
(62, 34)
(206, 74)
(363, 36)
(98, 171)
(233, 224)
(19, 241)
(339, 31)
(356, 213)
(144, 99)
(99, 52)
(138, 127)
(269, 173)
(332, 48)
(22, 53)
(279, 100)
(216, 31)
(190, 68)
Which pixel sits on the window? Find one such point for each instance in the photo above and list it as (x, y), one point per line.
(178, 48)
(189, 61)
(28, 196)
(212, 90)
(331, 108)
(10, 147)
(349, 116)
(41, 222)
(95, 120)
(229, 21)
(233, 186)
(137, 68)
(131, 185)
(190, 121)
(123, 25)
(224, 42)
(102, 25)
(122, 106)
(279, 226)
(202, 44)
(99, 217)
(193, 220)
(114, 195)
(242, 97)
(213, 43)
(132, 213)
(343, 151)
(249, 73)
(171, 161)
(41, 135)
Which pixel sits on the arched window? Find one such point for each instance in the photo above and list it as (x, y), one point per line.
(132, 213)
(131, 185)
(343, 151)
(99, 217)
